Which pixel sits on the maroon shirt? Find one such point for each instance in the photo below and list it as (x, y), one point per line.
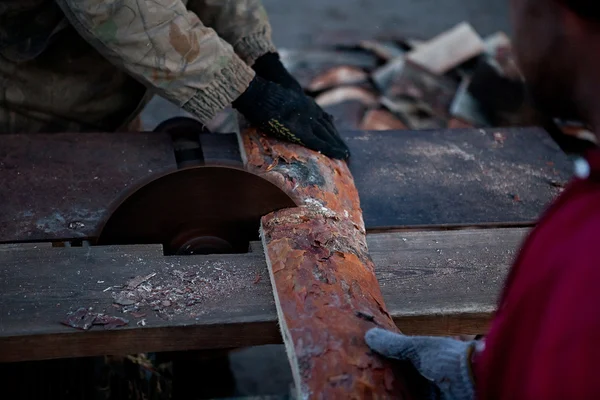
(544, 342)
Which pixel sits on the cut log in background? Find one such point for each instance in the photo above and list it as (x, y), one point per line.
(326, 292)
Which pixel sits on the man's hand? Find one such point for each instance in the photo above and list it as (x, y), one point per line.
(446, 363)
(290, 115)
(269, 67)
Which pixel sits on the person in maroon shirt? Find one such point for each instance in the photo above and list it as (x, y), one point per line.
(544, 342)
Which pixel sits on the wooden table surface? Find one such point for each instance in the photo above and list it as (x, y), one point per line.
(446, 212)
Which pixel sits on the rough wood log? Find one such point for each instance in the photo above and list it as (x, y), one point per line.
(327, 297)
(326, 292)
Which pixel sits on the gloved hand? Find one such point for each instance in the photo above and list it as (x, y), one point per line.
(290, 115)
(446, 363)
(269, 67)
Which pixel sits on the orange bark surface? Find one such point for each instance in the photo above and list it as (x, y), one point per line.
(323, 279)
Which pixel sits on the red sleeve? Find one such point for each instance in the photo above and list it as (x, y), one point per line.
(545, 340)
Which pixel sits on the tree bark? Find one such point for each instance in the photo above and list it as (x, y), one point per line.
(326, 292)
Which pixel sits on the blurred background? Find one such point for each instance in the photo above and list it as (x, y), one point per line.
(324, 24)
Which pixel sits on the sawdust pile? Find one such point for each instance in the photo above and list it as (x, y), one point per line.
(181, 289)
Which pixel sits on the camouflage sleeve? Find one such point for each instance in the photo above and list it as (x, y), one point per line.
(166, 47)
(243, 23)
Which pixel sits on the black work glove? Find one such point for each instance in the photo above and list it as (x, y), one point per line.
(290, 115)
(269, 67)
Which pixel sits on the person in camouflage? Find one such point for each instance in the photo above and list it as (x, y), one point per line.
(92, 65)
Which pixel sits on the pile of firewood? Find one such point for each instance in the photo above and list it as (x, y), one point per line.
(456, 79)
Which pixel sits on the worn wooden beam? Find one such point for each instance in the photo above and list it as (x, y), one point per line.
(434, 283)
(63, 186)
(459, 176)
(323, 279)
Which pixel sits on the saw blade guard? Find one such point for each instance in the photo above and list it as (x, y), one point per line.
(196, 210)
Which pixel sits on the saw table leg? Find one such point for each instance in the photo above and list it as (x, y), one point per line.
(326, 293)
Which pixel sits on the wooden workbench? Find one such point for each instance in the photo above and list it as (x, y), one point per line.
(445, 210)
(440, 282)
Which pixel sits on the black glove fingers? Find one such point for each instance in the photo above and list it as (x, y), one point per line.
(327, 122)
(333, 147)
(290, 116)
(316, 144)
(330, 134)
(270, 67)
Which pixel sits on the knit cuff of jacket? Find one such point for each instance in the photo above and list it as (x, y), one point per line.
(257, 44)
(226, 86)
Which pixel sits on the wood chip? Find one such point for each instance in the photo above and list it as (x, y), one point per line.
(305, 65)
(386, 50)
(384, 75)
(448, 50)
(417, 115)
(499, 137)
(337, 76)
(138, 280)
(434, 90)
(342, 94)
(457, 123)
(466, 108)
(577, 131)
(381, 120)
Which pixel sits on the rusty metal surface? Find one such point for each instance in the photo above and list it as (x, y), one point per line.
(198, 210)
(59, 186)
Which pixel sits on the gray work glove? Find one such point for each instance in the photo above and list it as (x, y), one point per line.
(445, 362)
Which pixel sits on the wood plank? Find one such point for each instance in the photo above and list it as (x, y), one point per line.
(380, 120)
(460, 176)
(448, 50)
(57, 186)
(442, 283)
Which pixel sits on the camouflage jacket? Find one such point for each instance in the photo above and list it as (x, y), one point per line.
(85, 65)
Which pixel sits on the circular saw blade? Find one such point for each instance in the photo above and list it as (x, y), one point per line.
(200, 210)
